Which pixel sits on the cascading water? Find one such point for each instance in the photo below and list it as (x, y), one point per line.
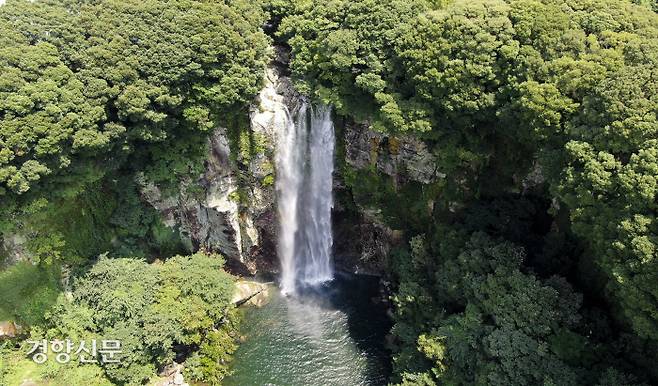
(305, 163)
(332, 334)
(289, 176)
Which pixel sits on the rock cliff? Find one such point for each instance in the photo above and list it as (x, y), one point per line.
(396, 161)
(231, 209)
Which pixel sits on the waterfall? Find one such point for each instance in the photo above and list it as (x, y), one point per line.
(305, 164)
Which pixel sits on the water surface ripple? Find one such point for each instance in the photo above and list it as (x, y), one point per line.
(328, 336)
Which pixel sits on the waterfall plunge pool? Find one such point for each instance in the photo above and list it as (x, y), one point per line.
(330, 335)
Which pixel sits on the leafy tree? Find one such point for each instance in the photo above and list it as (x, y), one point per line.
(505, 333)
(28, 291)
(211, 363)
(159, 312)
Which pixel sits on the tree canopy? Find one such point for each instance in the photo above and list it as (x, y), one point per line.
(499, 89)
(159, 312)
(86, 85)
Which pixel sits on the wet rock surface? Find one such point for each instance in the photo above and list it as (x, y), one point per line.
(252, 293)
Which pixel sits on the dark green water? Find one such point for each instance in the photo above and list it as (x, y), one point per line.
(329, 336)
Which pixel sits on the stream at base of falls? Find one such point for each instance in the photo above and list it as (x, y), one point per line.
(328, 335)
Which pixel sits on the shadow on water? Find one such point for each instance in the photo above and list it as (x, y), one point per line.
(358, 297)
(332, 334)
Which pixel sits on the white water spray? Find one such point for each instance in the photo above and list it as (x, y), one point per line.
(305, 164)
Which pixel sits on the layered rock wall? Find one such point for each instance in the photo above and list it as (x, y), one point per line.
(231, 209)
(366, 238)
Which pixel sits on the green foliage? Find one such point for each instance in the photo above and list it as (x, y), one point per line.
(341, 48)
(28, 291)
(268, 180)
(503, 336)
(210, 363)
(15, 368)
(651, 4)
(157, 311)
(250, 144)
(86, 85)
(66, 230)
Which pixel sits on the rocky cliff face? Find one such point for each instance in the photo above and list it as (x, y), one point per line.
(364, 236)
(231, 208)
(405, 158)
(208, 218)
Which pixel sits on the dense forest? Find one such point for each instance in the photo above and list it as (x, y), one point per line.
(93, 93)
(535, 264)
(506, 285)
